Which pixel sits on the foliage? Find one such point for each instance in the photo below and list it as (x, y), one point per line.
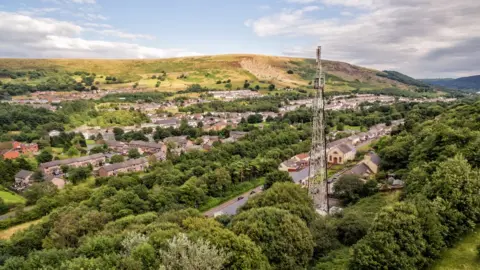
(116, 159)
(283, 237)
(133, 153)
(276, 177)
(182, 253)
(350, 188)
(38, 191)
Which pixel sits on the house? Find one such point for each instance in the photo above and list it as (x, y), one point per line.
(341, 153)
(354, 139)
(302, 157)
(22, 180)
(166, 123)
(132, 165)
(148, 147)
(25, 148)
(119, 147)
(293, 165)
(10, 154)
(207, 141)
(237, 135)
(179, 142)
(54, 167)
(367, 167)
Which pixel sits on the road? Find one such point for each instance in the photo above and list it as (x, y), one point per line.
(230, 207)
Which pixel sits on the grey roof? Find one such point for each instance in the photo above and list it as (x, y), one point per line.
(176, 139)
(71, 160)
(114, 143)
(345, 148)
(166, 122)
(126, 164)
(146, 144)
(359, 169)
(23, 174)
(375, 158)
(300, 175)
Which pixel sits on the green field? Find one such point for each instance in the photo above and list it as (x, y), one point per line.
(463, 256)
(10, 197)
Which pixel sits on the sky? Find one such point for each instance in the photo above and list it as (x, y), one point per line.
(421, 38)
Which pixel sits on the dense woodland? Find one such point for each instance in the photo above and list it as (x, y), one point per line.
(154, 222)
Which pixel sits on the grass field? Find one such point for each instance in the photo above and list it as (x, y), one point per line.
(463, 256)
(10, 197)
(208, 70)
(6, 234)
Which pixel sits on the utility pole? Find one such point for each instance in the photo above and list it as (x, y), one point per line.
(317, 174)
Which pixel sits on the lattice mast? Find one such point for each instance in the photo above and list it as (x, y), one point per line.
(317, 175)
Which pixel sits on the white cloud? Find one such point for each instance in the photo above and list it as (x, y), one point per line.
(82, 1)
(26, 36)
(98, 25)
(37, 11)
(301, 1)
(281, 23)
(419, 37)
(121, 34)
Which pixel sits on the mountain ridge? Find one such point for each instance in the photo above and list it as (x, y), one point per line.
(208, 71)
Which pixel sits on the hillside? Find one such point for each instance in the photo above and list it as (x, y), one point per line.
(464, 83)
(209, 71)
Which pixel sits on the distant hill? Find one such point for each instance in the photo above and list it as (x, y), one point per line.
(465, 83)
(220, 72)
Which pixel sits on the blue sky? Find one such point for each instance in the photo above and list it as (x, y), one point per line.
(423, 38)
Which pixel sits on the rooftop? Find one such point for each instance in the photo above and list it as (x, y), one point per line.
(71, 160)
(126, 164)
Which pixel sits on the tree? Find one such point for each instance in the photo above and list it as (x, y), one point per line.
(351, 228)
(290, 71)
(133, 153)
(73, 151)
(39, 190)
(324, 234)
(228, 86)
(348, 188)
(184, 254)
(79, 174)
(276, 177)
(244, 254)
(286, 196)
(44, 156)
(340, 127)
(271, 87)
(257, 87)
(116, 159)
(255, 118)
(283, 237)
(396, 241)
(3, 207)
(118, 132)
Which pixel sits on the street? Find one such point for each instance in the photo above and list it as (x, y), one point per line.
(230, 207)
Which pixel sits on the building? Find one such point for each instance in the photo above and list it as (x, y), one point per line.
(367, 167)
(119, 147)
(132, 165)
(25, 148)
(22, 180)
(54, 167)
(10, 154)
(148, 147)
(342, 153)
(179, 142)
(166, 123)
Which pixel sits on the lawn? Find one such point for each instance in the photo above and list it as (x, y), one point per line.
(6, 234)
(463, 256)
(10, 197)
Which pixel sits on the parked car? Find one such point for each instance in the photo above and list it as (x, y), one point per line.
(240, 198)
(253, 192)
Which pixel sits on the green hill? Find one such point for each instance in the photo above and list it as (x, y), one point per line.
(209, 71)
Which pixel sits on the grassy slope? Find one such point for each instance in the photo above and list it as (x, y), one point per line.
(368, 208)
(207, 70)
(10, 197)
(463, 256)
(6, 234)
